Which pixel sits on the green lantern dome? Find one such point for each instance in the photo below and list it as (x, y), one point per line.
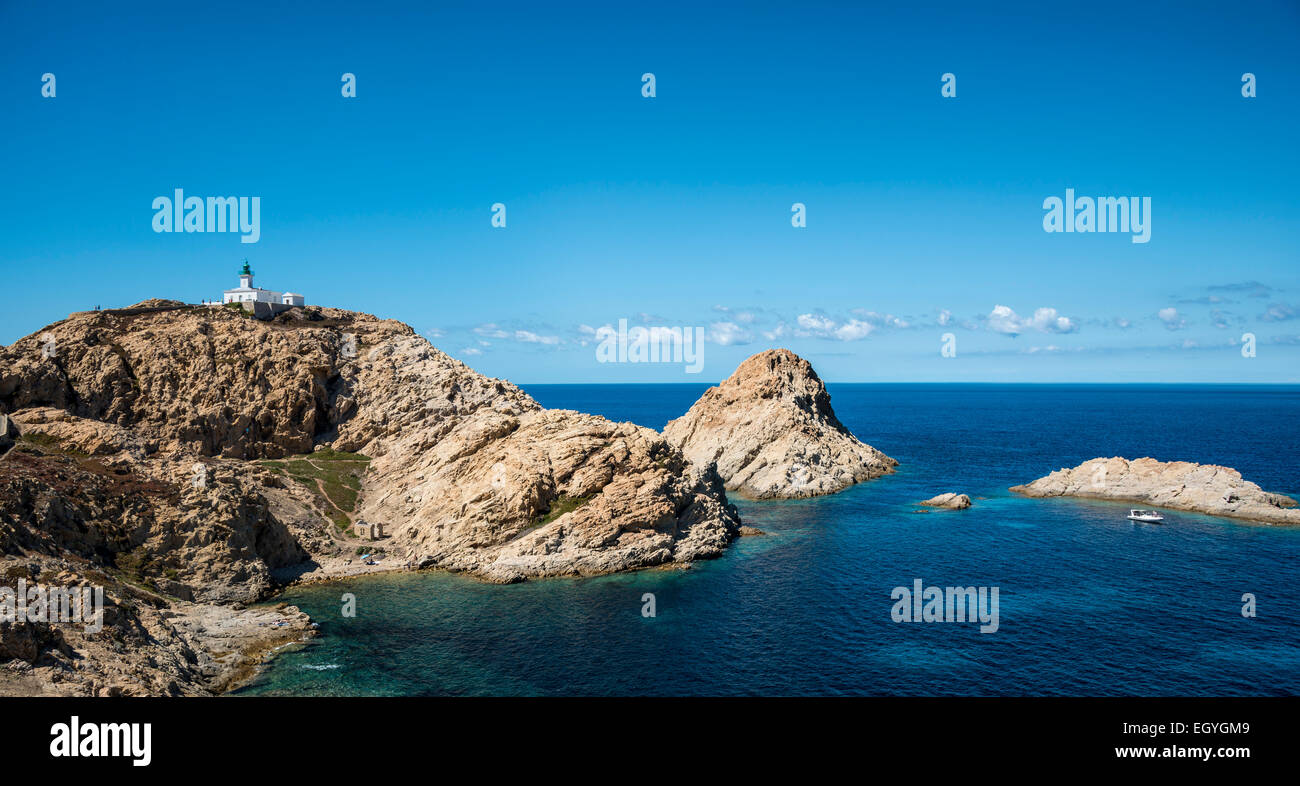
(246, 271)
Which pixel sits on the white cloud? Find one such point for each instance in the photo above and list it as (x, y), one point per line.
(1279, 312)
(853, 330)
(1048, 321)
(815, 323)
(587, 333)
(529, 337)
(821, 326)
(1002, 319)
(1171, 318)
(744, 316)
(876, 319)
(494, 331)
(470, 352)
(728, 334)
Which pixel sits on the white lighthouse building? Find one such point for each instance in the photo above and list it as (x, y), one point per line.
(247, 293)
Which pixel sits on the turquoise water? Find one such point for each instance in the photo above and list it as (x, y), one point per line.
(1090, 603)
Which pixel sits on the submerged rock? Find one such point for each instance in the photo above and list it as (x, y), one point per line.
(1179, 485)
(770, 430)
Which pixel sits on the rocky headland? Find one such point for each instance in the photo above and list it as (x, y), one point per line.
(193, 459)
(1177, 485)
(770, 431)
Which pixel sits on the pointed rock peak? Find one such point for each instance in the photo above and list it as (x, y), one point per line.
(777, 371)
(774, 362)
(770, 430)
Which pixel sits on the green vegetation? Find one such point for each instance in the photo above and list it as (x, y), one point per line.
(341, 521)
(562, 504)
(47, 445)
(131, 564)
(42, 441)
(333, 477)
(141, 569)
(17, 572)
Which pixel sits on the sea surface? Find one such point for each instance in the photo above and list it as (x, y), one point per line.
(1089, 603)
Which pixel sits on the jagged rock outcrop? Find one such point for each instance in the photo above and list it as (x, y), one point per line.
(153, 445)
(770, 430)
(7, 433)
(1179, 485)
(949, 501)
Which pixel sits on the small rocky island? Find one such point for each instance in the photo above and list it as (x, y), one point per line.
(1178, 485)
(949, 501)
(772, 434)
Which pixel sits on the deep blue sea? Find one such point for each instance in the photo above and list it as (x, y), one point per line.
(1090, 603)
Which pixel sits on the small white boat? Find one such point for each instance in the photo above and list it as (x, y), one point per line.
(1150, 516)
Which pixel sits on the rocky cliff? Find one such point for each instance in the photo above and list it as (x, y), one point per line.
(205, 457)
(770, 430)
(1179, 485)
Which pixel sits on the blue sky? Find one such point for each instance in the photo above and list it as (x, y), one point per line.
(924, 214)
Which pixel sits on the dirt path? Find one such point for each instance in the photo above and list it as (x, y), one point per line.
(320, 484)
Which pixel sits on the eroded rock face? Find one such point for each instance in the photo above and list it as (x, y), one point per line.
(771, 432)
(1179, 485)
(483, 501)
(140, 436)
(216, 542)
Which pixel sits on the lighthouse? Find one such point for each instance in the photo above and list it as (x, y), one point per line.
(247, 293)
